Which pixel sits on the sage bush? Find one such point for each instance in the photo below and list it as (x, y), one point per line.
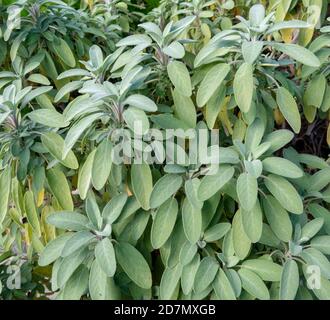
(171, 150)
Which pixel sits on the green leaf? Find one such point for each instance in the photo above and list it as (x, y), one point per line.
(102, 164)
(289, 108)
(222, 287)
(134, 264)
(175, 50)
(321, 243)
(184, 109)
(53, 249)
(136, 120)
(191, 187)
(277, 218)
(163, 223)
(298, 53)
(247, 191)
(278, 139)
(142, 184)
(211, 83)
(282, 167)
(77, 284)
(243, 86)
(319, 180)
(188, 274)
(211, 184)
(251, 50)
(267, 270)
(241, 241)
(310, 229)
(252, 222)
(49, 118)
(105, 256)
(5, 186)
(69, 265)
(39, 78)
(315, 90)
(31, 212)
(179, 76)
(54, 144)
(101, 287)
(253, 284)
(141, 102)
(85, 175)
(67, 88)
(285, 193)
(169, 282)
(314, 257)
(77, 241)
(216, 232)
(205, 274)
(93, 211)
(114, 208)
(164, 188)
(289, 280)
(68, 220)
(64, 52)
(60, 188)
(192, 221)
(76, 130)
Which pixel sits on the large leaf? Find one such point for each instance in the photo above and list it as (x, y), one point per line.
(212, 183)
(285, 193)
(5, 183)
(48, 117)
(31, 212)
(253, 284)
(142, 184)
(54, 143)
(298, 53)
(102, 164)
(164, 188)
(102, 287)
(289, 108)
(211, 83)
(243, 86)
(247, 190)
(282, 167)
(278, 218)
(206, 273)
(134, 264)
(289, 280)
(163, 223)
(68, 220)
(192, 221)
(179, 76)
(60, 188)
(105, 256)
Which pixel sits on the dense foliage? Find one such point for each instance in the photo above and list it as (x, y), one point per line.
(76, 76)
